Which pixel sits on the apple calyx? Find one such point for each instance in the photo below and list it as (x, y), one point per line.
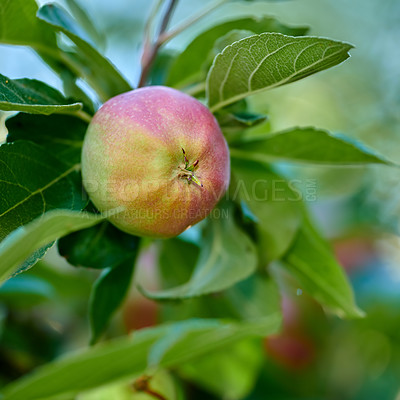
(188, 170)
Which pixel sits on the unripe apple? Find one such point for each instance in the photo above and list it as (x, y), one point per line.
(159, 154)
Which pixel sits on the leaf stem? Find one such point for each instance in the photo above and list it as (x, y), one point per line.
(166, 36)
(83, 115)
(251, 156)
(150, 50)
(195, 89)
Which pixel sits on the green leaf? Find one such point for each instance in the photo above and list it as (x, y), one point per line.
(239, 121)
(99, 71)
(33, 259)
(161, 65)
(161, 382)
(187, 67)
(308, 145)
(177, 341)
(33, 182)
(235, 120)
(107, 295)
(61, 135)
(273, 203)
(230, 373)
(73, 91)
(101, 246)
(26, 291)
(32, 96)
(127, 356)
(20, 26)
(227, 256)
(176, 261)
(266, 61)
(24, 241)
(251, 299)
(313, 264)
(254, 298)
(68, 286)
(223, 41)
(86, 23)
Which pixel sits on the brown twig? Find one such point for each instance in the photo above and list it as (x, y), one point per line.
(166, 36)
(142, 385)
(155, 394)
(167, 17)
(150, 49)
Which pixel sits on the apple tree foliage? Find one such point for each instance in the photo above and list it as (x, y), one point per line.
(215, 278)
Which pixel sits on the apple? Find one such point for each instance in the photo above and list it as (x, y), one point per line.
(293, 348)
(158, 155)
(290, 349)
(140, 312)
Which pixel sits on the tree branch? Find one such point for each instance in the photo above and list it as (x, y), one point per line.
(150, 49)
(166, 36)
(167, 17)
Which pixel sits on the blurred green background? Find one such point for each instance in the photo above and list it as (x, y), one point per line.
(316, 356)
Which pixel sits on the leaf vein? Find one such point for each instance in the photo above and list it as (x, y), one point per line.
(40, 190)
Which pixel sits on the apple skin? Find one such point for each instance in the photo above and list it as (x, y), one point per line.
(132, 157)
